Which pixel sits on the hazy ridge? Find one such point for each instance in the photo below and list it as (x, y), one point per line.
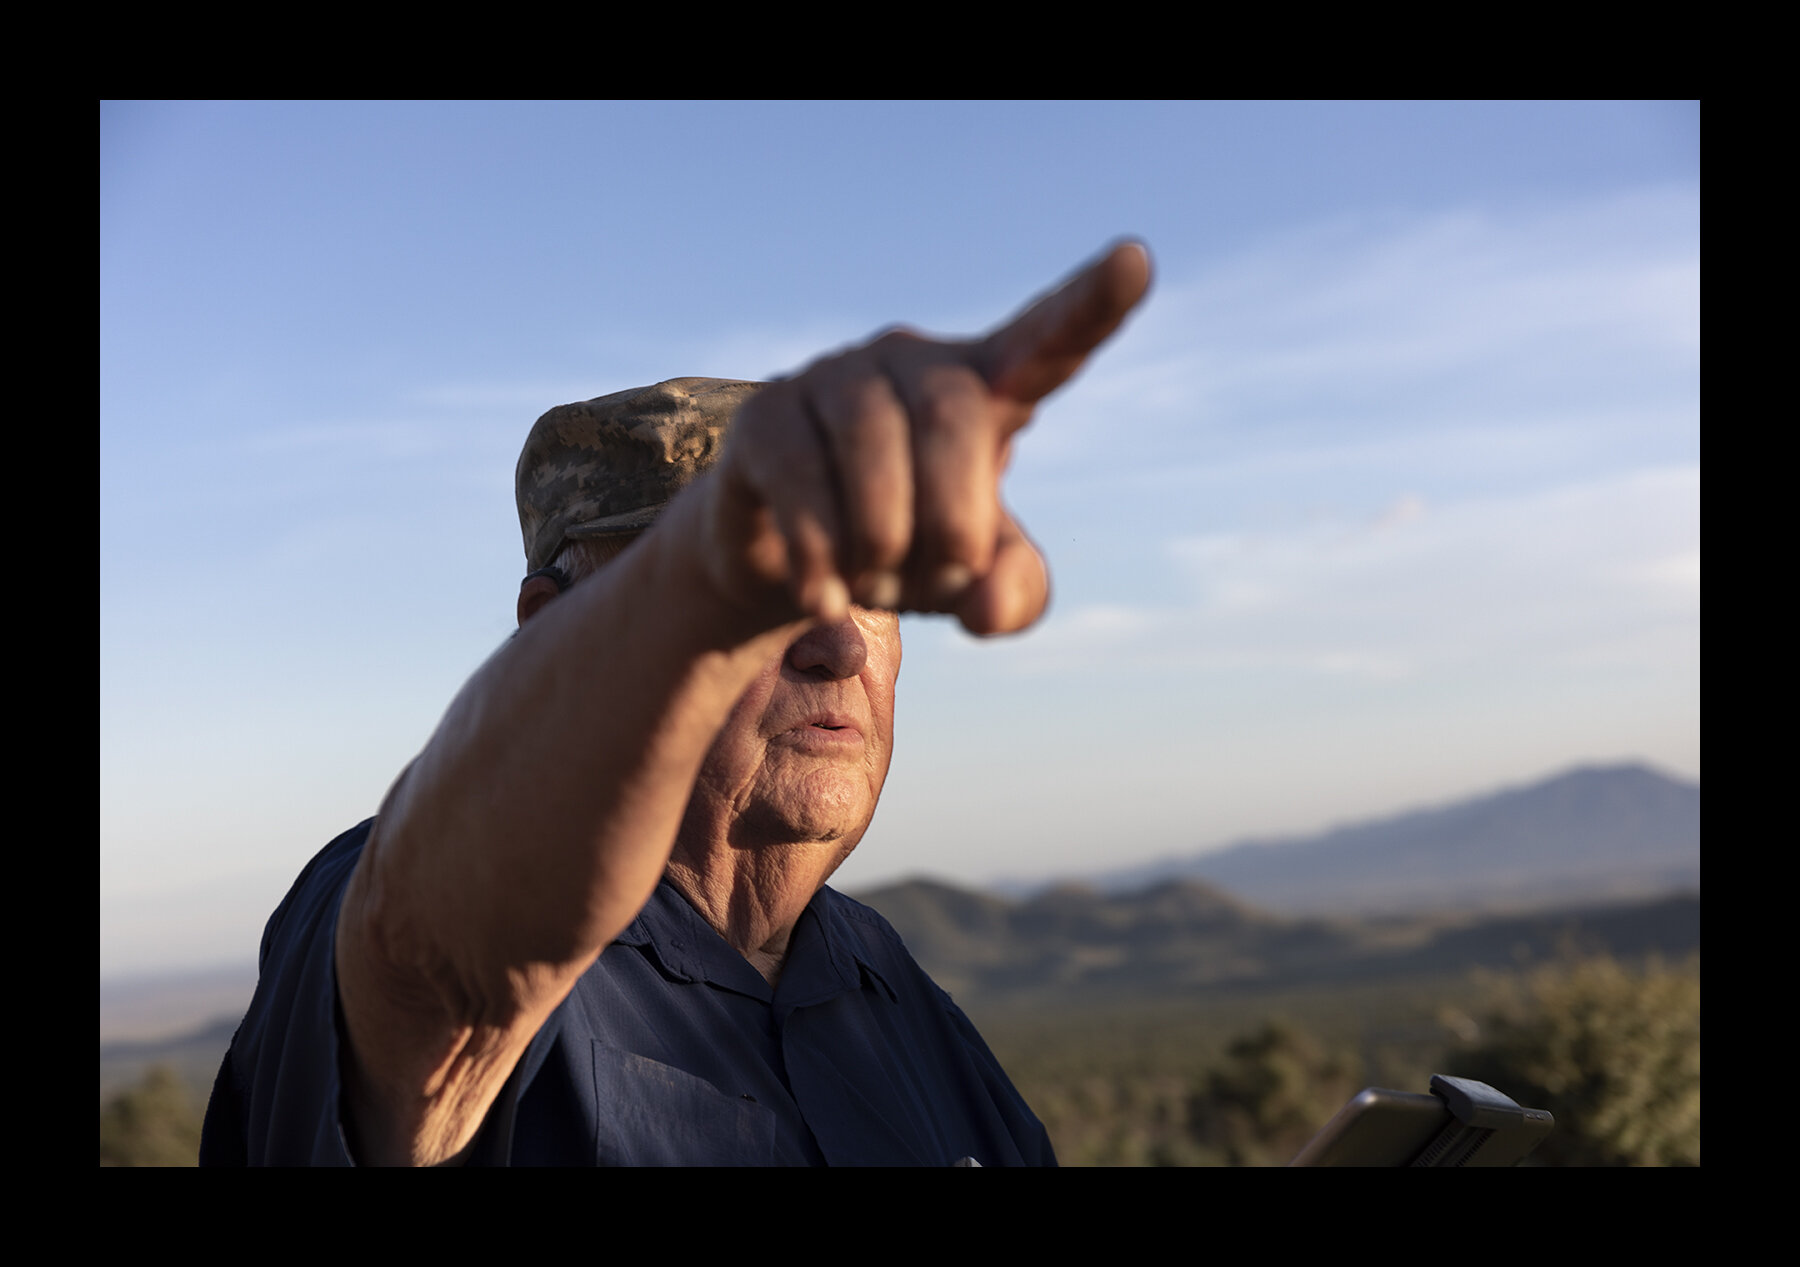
(1591, 834)
(1075, 945)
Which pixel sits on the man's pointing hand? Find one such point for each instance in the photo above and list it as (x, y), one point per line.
(874, 475)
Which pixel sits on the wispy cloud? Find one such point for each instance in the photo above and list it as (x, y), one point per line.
(1544, 578)
(1386, 327)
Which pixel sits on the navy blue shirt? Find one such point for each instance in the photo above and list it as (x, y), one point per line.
(671, 1050)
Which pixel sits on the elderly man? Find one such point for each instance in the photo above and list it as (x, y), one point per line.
(590, 923)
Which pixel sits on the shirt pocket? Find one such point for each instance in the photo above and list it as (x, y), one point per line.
(651, 1114)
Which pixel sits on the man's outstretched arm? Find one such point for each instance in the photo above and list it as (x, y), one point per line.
(541, 813)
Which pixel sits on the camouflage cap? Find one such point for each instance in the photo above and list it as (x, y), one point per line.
(608, 466)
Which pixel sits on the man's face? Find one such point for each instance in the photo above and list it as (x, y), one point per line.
(805, 751)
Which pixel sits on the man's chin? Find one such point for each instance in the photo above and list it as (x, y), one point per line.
(824, 807)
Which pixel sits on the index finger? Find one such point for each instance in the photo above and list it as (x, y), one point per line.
(1040, 349)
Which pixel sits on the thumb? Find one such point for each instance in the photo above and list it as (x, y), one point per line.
(1015, 591)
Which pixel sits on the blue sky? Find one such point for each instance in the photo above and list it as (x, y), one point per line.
(1389, 494)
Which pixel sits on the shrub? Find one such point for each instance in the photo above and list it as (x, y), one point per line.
(1614, 1054)
(154, 1123)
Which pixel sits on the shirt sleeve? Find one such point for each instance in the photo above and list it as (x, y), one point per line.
(276, 1101)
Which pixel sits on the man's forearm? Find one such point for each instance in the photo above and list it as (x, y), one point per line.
(530, 831)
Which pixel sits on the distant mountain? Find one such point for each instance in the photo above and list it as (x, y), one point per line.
(1592, 834)
(142, 1007)
(1072, 943)
(183, 1020)
(1178, 933)
(193, 1055)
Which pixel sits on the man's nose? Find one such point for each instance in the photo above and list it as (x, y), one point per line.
(830, 651)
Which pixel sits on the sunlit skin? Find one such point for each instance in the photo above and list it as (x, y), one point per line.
(804, 753)
(792, 780)
(789, 786)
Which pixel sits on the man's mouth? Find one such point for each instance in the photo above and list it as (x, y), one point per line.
(830, 729)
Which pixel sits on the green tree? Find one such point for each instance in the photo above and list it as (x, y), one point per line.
(1277, 1087)
(1613, 1054)
(154, 1123)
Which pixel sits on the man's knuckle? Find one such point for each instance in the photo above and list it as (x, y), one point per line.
(886, 540)
(856, 406)
(897, 336)
(958, 537)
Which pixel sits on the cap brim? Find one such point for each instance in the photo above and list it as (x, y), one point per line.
(614, 525)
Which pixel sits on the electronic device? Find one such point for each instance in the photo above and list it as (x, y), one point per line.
(1461, 1123)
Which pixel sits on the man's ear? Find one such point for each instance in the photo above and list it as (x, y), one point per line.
(536, 591)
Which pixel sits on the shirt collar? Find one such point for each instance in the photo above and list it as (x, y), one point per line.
(825, 956)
